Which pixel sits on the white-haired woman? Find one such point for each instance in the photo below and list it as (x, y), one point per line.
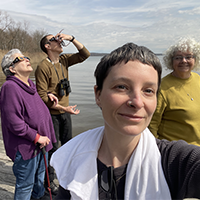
(177, 113)
(26, 126)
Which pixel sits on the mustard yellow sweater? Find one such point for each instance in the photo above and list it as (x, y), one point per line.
(177, 115)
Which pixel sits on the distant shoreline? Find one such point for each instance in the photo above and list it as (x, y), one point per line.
(103, 54)
(98, 54)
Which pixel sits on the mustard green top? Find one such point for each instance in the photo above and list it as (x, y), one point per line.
(47, 79)
(177, 115)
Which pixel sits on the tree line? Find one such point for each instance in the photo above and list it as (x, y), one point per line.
(17, 35)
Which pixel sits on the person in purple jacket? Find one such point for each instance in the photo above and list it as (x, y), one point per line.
(26, 126)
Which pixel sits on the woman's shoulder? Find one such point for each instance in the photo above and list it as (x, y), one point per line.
(82, 143)
(181, 166)
(167, 80)
(9, 85)
(168, 76)
(180, 148)
(195, 75)
(164, 144)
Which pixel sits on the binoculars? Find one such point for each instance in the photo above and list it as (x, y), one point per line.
(64, 87)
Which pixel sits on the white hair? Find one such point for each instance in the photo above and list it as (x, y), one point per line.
(183, 45)
(7, 61)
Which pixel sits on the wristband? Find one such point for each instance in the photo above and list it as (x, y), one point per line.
(72, 39)
(36, 138)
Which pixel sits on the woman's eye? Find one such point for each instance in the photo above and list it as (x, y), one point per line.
(121, 87)
(149, 91)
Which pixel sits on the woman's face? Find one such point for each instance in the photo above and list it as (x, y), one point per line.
(134, 82)
(183, 63)
(21, 68)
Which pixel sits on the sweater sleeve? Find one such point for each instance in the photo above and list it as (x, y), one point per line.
(42, 76)
(157, 116)
(12, 113)
(181, 166)
(75, 58)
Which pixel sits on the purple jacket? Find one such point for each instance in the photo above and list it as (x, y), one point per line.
(23, 115)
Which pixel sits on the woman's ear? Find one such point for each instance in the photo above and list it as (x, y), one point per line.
(97, 95)
(12, 69)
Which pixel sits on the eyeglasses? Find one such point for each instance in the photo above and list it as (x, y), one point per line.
(187, 58)
(20, 58)
(107, 182)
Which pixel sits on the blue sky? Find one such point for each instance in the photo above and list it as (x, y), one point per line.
(103, 25)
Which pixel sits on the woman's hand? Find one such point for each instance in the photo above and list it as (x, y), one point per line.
(43, 141)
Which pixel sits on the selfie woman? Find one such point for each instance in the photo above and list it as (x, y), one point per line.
(122, 159)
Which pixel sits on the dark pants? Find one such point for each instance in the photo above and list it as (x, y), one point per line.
(63, 131)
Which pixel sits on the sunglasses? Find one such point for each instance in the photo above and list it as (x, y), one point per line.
(107, 182)
(56, 40)
(20, 58)
(52, 39)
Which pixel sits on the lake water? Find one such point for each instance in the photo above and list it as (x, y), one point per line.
(82, 82)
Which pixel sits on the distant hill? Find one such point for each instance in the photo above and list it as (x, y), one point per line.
(103, 54)
(98, 54)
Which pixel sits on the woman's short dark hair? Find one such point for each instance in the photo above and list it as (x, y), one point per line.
(125, 53)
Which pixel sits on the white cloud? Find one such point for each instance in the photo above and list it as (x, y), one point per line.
(103, 25)
(195, 11)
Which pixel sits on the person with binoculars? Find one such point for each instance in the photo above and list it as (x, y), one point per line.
(53, 85)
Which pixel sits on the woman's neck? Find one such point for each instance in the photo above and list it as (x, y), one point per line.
(116, 151)
(23, 79)
(181, 75)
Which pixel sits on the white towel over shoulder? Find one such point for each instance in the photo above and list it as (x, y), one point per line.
(76, 168)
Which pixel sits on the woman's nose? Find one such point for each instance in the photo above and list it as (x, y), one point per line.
(184, 59)
(135, 101)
